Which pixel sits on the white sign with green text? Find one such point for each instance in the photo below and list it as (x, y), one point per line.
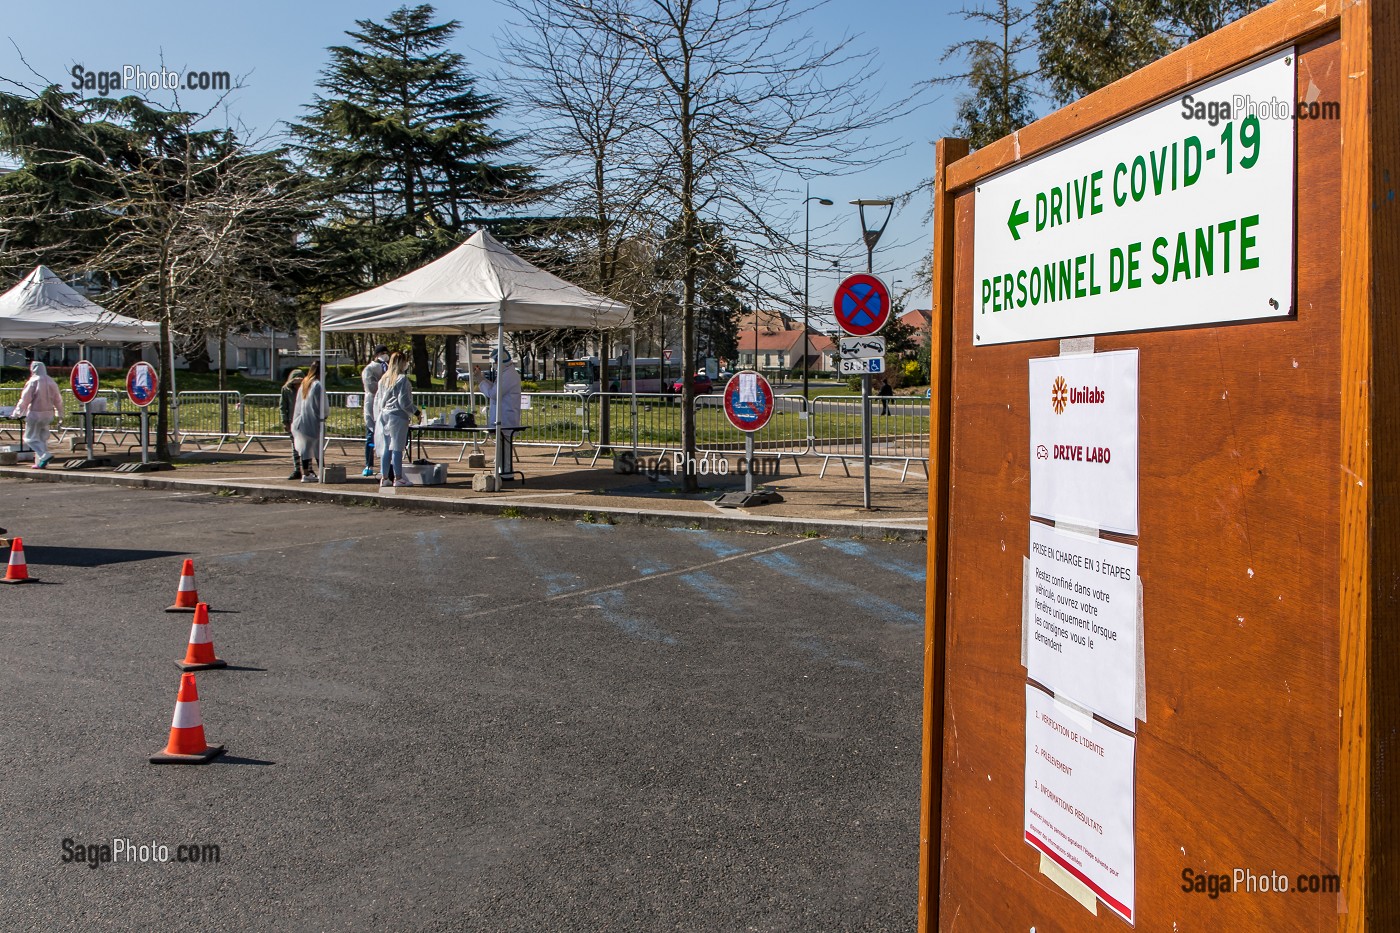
(1177, 216)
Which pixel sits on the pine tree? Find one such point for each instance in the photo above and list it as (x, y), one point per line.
(402, 129)
(1088, 44)
(998, 80)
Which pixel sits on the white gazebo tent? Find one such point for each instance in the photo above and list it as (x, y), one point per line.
(42, 308)
(479, 288)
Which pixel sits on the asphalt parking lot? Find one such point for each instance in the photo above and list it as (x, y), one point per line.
(458, 723)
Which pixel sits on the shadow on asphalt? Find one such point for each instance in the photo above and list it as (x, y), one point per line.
(237, 760)
(89, 556)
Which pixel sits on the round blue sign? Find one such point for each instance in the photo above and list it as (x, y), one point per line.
(862, 305)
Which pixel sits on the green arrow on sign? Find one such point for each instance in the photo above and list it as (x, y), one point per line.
(1016, 219)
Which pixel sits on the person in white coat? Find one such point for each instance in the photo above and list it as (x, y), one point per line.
(40, 403)
(394, 411)
(307, 417)
(369, 382)
(509, 383)
(509, 378)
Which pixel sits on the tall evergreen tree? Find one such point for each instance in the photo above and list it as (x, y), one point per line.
(402, 129)
(1088, 44)
(999, 80)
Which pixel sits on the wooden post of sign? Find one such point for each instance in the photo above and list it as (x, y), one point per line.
(947, 151)
(1272, 707)
(1370, 533)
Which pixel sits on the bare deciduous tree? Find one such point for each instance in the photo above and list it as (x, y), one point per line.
(732, 95)
(179, 221)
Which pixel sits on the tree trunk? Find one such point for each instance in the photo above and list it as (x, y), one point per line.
(223, 359)
(197, 356)
(163, 407)
(422, 364)
(449, 353)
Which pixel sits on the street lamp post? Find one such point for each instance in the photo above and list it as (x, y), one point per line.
(806, 284)
(871, 236)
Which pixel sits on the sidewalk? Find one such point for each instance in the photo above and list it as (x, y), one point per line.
(829, 506)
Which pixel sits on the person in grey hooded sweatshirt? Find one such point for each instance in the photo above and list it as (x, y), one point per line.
(308, 414)
(394, 410)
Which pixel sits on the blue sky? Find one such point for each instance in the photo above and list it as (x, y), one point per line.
(279, 49)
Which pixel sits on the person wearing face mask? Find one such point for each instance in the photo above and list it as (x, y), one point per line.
(369, 381)
(394, 410)
(506, 377)
(40, 403)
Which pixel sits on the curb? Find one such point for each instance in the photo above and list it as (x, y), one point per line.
(792, 527)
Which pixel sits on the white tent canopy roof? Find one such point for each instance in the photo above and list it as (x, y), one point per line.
(43, 309)
(474, 289)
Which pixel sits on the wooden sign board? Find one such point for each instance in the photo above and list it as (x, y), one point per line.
(1267, 637)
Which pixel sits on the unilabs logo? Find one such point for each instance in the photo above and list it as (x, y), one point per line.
(1062, 395)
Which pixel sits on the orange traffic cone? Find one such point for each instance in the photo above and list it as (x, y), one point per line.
(199, 655)
(187, 745)
(18, 571)
(186, 597)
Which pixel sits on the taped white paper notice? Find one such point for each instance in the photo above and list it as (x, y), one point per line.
(748, 389)
(1084, 439)
(1083, 641)
(524, 403)
(1079, 798)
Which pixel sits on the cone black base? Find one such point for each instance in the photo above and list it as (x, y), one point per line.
(203, 758)
(217, 662)
(179, 609)
(17, 582)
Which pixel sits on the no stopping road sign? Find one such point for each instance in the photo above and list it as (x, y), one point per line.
(862, 304)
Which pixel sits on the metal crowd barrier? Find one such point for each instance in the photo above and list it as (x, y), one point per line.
(108, 401)
(657, 426)
(788, 432)
(208, 415)
(9, 398)
(553, 419)
(900, 434)
(827, 426)
(262, 420)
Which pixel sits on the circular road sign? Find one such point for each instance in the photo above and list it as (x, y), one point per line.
(748, 404)
(83, 380)
(141, 384)
(862, 304)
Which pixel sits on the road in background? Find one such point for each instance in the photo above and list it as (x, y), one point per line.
(459, 723)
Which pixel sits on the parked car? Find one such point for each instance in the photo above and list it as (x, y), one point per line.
(703, 384)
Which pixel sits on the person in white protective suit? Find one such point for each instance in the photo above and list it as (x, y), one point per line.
(40, 403)
(508, 379)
